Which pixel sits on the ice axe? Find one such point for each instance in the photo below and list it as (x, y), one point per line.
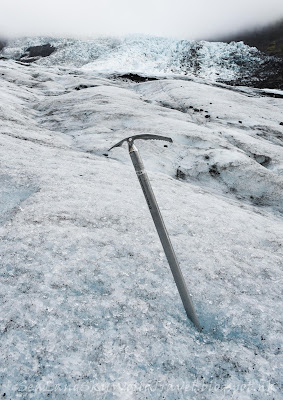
(159, 223)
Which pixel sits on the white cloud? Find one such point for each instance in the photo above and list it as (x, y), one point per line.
(179, 18)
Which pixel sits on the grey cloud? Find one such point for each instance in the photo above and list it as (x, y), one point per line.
(177, 18)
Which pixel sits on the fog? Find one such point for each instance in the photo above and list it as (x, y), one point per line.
(203, 19)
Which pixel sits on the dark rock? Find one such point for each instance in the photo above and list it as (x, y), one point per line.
(261, 159)
(240, 122)
(80, 87)
(207, 116)
(213, 170)
(180, 174)
(196, 110)
(27, 60)
(33, 53)
(270, 94)
(281, 123)
(266, 74)
(182, 109)
(41, 51)
(135, 78)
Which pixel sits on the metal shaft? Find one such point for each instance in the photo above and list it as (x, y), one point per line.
(163, 234)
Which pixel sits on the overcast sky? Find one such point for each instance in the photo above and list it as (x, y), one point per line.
(188, 19)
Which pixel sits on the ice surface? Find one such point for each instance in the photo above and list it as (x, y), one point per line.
(11, 197)
(89, 308)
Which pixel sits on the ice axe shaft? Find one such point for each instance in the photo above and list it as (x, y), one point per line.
(160, 226)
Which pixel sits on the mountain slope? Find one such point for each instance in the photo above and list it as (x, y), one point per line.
(268, 39)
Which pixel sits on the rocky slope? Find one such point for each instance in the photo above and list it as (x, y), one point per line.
(269, 40)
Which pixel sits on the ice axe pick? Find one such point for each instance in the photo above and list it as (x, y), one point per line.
(159, 223)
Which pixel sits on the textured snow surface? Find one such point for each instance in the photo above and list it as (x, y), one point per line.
(89, 308)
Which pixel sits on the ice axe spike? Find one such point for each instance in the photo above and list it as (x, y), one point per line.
(159, 223)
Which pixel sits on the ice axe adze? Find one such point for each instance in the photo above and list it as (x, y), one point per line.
(159, 223)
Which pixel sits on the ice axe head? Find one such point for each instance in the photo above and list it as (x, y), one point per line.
(131, 139)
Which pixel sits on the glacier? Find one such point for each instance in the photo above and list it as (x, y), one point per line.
(89, 308)
(147, 55)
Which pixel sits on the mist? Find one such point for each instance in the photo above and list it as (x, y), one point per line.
(185, 19)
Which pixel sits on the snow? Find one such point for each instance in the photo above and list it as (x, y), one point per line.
(89, 308)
